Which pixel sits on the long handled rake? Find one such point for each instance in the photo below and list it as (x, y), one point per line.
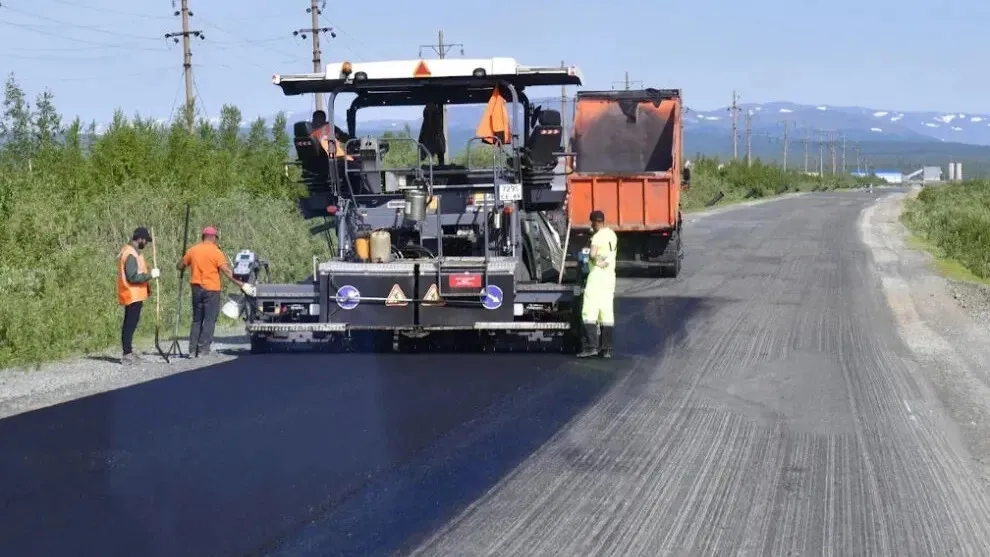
(158, 297)
(175, 348)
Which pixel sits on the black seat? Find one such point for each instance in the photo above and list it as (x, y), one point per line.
(545, 141)
(312, 156)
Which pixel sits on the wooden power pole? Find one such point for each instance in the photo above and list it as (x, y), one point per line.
(807, 140)
(821, 153)
(315, 11)
(749, 138)
(785, 145)
(735, 126)
(831, 145)
(843, 153)
(627, 83)
(186, 33)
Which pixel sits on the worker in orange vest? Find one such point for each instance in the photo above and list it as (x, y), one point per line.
(133, 288)
(207, 261)
(322, 132)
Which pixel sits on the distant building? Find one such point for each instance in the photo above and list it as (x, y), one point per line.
(932, 174)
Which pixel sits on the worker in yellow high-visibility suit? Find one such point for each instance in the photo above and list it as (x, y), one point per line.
(599, 290)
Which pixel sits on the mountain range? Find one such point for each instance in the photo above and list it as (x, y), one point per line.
(883, 138)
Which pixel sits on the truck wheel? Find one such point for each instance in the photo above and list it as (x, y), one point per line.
(672, 255)
(671, 270)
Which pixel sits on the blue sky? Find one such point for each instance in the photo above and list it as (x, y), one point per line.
(97, 55)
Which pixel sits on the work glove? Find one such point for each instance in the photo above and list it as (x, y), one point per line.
(155, 273)
(248, 289)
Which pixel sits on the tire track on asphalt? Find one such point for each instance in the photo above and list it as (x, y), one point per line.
(777, 425)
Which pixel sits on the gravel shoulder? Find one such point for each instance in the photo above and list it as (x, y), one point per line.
(942, 321)
(30, 388)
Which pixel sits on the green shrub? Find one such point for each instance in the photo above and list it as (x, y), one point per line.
(955, 218)
(69, 199)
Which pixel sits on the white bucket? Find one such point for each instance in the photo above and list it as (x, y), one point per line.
(231, 309)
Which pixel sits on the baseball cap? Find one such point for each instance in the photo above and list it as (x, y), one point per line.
(209, 231)
(141, 233)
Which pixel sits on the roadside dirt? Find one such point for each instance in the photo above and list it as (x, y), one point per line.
(942, 322)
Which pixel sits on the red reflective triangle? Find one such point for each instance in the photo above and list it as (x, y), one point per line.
(422, 70)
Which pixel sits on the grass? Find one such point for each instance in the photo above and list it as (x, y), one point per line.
(60, 298)
(736, 180)
(946, 266)
(952, 222)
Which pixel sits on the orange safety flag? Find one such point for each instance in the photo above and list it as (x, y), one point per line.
(495, 121)
(322, 135)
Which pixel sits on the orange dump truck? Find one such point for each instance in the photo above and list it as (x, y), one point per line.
(627, 151)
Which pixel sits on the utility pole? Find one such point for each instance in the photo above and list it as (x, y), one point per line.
(441, 49)
(807, 140)
(735, 127)
(831, 146)
(627, 84)
(821, 153)
(315, 10)
(186, 33)
(749, 136)
(843, 153)
(785, 145)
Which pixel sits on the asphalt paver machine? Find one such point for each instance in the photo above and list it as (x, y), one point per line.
(428, 253)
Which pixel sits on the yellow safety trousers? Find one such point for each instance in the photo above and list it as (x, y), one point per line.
(598, 299)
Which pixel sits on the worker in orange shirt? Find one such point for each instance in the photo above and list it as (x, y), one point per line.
(207, 263)
(322, 132)
(133, 288)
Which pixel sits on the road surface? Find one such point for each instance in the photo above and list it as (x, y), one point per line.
(761, 404)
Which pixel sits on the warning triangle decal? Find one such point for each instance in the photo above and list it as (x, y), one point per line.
(422, 70)
(432, 296)
(396, 297)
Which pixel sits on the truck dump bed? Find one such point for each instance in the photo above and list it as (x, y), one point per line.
(628, 157)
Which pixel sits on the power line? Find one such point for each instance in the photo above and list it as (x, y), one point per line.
(93, 28)
(315, 10)
(186, 33)
(63, 36)
(109, 11)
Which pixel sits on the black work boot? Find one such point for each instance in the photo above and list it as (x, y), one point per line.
(605, 350)
(589, 346)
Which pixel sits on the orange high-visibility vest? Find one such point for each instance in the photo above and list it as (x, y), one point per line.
(322, 135)
(128, 293)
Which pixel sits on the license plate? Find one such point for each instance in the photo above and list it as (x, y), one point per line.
(464, 281)
(510, 192)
